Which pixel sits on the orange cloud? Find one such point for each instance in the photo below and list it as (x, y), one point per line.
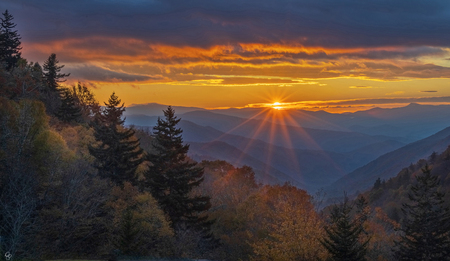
(134, 56)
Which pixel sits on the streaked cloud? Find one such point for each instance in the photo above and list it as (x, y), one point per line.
(360, 87)
(354, 104)
(262, 44)
(99, 74)
(395, 93)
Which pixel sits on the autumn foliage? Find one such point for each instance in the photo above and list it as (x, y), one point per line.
(75, 182)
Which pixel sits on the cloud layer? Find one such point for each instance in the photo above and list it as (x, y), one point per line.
(239, 43)
(328, 23)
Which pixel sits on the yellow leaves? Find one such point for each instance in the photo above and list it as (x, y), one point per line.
(51, 144)
(381, 230)
(284, 224)
(145, 211)
(77, 139)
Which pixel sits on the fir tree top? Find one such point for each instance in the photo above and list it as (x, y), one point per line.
(113, 110)
(168, 136)
(52, 75)
(9, 41)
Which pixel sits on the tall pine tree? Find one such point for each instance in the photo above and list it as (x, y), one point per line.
(52, 73)
(9, 42)
(51, 94)
(343, 234)
(426, 223)
(171, 177)
(117, 153)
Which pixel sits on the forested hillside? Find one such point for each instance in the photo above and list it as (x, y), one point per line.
(76, 183)
(390, 194)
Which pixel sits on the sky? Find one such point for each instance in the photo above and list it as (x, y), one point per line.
(333, 55)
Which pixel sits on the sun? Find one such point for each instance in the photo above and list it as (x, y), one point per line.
(277, 105)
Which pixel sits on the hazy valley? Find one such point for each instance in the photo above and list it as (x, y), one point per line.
(312, 150)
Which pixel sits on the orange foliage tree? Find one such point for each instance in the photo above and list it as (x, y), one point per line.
(283, 225)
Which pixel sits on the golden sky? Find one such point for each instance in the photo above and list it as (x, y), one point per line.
(332, 55)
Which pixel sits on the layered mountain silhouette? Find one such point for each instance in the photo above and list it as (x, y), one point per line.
(389, 164)
(307, 168)
(409, 123)
(311, 149)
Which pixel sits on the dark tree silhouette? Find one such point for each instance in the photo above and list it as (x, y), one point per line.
(171, 177)
(117, 153)
(343, 234)
(9, 41)
(426, 223)
(69, 111)
(51, 95)
(52, 73)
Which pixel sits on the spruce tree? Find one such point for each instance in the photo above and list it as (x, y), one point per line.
(50, 94)
(117, 153)
(171, 177)
(426, 223)
(343, 234)
(52, 73)
(69, 110)
(9, 41)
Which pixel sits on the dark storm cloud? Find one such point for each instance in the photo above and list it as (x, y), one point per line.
(327, 23)
(95, 73)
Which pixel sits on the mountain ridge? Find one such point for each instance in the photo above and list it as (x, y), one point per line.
(389, 164)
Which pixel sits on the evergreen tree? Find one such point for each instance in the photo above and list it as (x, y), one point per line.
(118, 153)
(9, 41)
(171, 177)
(343, 234)
(129, 229)
(426, 223)
(52, 73)
(69, 110)
(50, 94)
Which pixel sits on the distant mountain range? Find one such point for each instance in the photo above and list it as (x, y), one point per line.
(412, 122)
(156, 109)
(389, 164)
(311, 149)
(307, 168)
(409, 123)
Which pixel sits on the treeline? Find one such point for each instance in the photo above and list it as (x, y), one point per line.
(75, 182)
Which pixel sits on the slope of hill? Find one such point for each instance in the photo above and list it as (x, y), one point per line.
(389, 164)
(390, 194)
(141, 120)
